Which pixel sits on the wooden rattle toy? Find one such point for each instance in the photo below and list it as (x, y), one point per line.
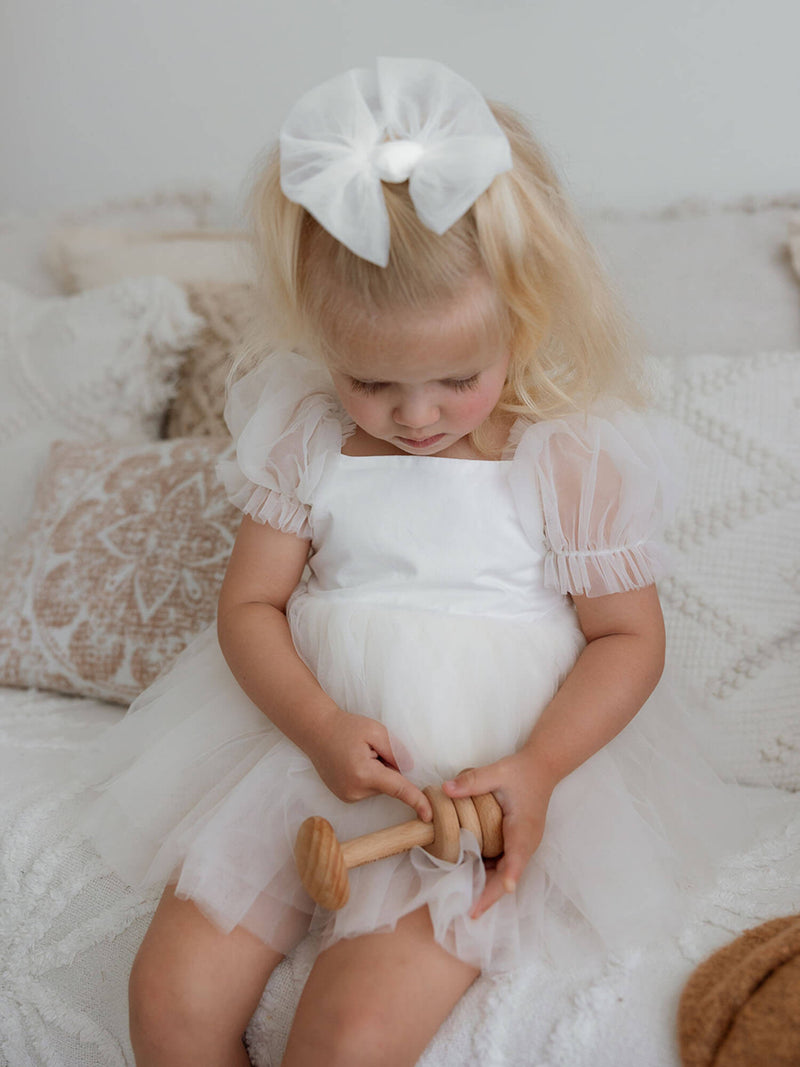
(323, 861)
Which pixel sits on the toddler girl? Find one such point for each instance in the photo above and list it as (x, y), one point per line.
(446, 433)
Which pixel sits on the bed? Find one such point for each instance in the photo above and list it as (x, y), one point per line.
(116, 327)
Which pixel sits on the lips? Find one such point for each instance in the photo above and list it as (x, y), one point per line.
(421, 442)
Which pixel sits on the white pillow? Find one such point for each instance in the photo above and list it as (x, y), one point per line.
(100, 364)
(732, 604)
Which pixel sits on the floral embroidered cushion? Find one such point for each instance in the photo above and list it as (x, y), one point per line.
(119, 568)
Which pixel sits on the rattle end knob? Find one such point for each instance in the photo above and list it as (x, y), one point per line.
(320, 863)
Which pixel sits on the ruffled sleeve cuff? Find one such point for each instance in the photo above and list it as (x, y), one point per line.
(264, 505)
(602, 571)
(286, 419)
(600, 489)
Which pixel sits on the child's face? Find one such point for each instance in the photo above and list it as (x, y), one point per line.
(422, 383)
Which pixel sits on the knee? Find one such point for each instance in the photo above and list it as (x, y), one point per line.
(161, 1004)
(352, 1035)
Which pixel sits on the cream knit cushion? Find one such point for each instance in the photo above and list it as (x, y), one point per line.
(84, 257)
(102, 364)
(732, 603)
(24, 239)
(120, 566)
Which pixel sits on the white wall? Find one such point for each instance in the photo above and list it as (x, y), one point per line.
(641, 102)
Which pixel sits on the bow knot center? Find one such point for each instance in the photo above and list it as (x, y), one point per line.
(395, 160)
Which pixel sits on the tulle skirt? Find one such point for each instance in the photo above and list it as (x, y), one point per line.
(197, 787)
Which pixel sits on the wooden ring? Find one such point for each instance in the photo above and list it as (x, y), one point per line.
(468, 818)
(446, 844)
(491, 816)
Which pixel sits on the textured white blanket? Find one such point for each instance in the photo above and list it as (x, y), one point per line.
(69, 933)
(616, 1013)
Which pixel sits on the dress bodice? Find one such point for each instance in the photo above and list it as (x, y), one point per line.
(425, 532)
(577, 506)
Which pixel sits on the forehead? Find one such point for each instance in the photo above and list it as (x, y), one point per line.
(456, 339)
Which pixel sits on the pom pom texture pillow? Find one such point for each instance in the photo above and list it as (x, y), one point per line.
(101, 364)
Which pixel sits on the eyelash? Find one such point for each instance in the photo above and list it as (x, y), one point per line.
(460, 384)
(370, 388)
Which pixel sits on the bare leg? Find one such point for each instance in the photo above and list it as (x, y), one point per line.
(194, 989)
(377, 999)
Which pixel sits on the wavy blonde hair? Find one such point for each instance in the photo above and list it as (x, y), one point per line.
(570, 339)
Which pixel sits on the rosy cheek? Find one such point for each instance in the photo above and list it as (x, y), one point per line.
(361, 409)
(476, 405)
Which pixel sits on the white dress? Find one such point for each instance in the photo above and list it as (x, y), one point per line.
(436, 601)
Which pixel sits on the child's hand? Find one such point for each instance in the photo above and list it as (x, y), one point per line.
(524, 801)
(353, 757)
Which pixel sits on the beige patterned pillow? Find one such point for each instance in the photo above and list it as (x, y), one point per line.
(199, 401)
(119, 567)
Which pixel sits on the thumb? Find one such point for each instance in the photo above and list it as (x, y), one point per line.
(472, 782)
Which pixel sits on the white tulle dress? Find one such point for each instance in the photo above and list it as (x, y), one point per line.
(437, 601)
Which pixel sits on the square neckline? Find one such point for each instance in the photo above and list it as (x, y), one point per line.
(515, 432)
(442, 459)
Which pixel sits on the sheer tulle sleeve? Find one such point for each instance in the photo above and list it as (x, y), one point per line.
(286, 419)
(600, 491)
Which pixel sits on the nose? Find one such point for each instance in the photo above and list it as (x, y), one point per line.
(416, 410)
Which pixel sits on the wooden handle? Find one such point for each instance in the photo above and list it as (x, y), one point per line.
(389, 842)
(323, 862)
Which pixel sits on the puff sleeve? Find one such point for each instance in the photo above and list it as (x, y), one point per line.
(285, 419)
(600, 489)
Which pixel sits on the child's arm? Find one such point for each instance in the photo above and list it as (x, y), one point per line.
(351, 753)
(616, 672)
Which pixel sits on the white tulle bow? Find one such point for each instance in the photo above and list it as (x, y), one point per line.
(409, 120)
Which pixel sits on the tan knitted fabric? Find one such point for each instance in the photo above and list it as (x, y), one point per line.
(200, 398)
(794, 241)
(741, 1008)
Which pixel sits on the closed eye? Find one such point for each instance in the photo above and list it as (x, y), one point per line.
(463, 383)
(367, 388)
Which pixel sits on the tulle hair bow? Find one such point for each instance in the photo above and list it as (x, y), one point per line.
(409, 120)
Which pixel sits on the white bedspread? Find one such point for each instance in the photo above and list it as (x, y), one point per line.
(69, 931)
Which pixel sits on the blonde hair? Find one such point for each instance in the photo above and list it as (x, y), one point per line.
(569, 338)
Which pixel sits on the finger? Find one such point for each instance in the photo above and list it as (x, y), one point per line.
(518, 848)
(379, 741)
(393, 784)
(472, 782)
(492, 892)
(505, 877)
